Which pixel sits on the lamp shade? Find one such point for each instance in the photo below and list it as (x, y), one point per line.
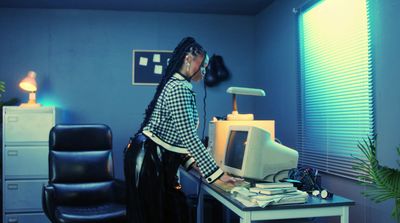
(29, 82)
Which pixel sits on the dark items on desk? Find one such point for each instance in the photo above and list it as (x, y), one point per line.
(308, 180)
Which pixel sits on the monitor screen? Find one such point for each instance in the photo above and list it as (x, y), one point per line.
(235, 150)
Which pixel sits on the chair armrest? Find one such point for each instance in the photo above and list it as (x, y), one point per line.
(48, 201)
(120, 191)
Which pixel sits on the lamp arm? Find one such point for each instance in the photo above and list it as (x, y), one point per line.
(234, 102)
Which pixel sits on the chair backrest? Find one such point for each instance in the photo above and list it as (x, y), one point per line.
(81, 164)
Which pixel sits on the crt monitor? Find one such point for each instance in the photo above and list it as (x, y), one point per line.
(218, 133)
(251, 153)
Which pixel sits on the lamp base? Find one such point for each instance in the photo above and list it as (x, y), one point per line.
(30, 105)
(235, 116)
(32, 101)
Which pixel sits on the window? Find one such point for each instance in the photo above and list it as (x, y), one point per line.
(336, 87)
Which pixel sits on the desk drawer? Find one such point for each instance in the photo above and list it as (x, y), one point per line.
(25, 162)
(23, 195)
(26, 218)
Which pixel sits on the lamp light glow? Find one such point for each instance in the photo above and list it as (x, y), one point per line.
(29, 84)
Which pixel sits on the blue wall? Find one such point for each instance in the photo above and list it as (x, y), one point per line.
(387, 78)
(276, 64)
(84, 61)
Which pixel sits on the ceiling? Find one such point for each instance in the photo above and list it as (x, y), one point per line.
(235, 7)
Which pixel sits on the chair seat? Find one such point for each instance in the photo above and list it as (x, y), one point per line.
(111, 212)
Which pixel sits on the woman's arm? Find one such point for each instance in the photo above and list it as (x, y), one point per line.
(180, 103)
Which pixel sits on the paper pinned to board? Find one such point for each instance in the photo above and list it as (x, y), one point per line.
(156, 58)
(158, 69)
(143, 61)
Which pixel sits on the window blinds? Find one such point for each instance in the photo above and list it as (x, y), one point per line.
(336, 88)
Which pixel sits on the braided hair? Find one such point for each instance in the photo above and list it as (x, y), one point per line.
(186, 46)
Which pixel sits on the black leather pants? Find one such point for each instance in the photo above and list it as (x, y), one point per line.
(153, 192)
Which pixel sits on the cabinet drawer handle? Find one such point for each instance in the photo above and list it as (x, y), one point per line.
(12, 186)
(12, 153)
(12, 220)
(12, 119)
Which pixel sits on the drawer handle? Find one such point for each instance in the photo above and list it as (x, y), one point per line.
(12, 220)
(12, 153)
(12, 119)
(12, 186)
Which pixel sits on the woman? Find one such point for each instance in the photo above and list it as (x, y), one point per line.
(164, 141)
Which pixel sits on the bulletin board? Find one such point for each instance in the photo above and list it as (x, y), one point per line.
(149, 65)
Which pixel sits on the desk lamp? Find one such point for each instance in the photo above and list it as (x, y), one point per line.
(29, 84)
(242, 91)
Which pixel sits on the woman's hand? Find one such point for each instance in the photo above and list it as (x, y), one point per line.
(229, 179)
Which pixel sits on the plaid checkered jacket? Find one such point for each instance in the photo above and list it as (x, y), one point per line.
(173, 125)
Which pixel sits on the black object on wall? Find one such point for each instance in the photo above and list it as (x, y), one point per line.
(216, 71)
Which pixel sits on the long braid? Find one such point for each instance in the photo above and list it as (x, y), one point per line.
(187, 45)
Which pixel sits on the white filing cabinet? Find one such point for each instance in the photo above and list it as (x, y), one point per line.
(25, 162)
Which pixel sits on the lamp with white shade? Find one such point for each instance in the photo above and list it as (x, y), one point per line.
(242, 91)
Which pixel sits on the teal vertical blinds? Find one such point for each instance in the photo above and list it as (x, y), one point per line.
(336, 106)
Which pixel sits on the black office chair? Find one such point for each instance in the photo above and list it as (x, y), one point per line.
(81, 184)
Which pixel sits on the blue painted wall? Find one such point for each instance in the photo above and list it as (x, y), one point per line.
(387, 78)
(83, 60)
(276, 65)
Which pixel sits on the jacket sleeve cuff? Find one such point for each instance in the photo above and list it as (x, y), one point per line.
(214, 176)
(189, 163)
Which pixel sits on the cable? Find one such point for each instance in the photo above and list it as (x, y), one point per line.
(278, 141)
(198, 191)
(204, 109)
(200, 181)
(277, 173)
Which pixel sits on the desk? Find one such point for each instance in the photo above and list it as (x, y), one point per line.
(315, 207)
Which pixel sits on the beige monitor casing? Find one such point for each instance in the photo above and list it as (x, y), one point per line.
(263, 158)
(218, 133)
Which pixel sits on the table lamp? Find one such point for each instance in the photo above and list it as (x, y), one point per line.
(242, 91)
(29, 84)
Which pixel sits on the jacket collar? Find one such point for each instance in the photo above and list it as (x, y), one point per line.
(182, 78)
